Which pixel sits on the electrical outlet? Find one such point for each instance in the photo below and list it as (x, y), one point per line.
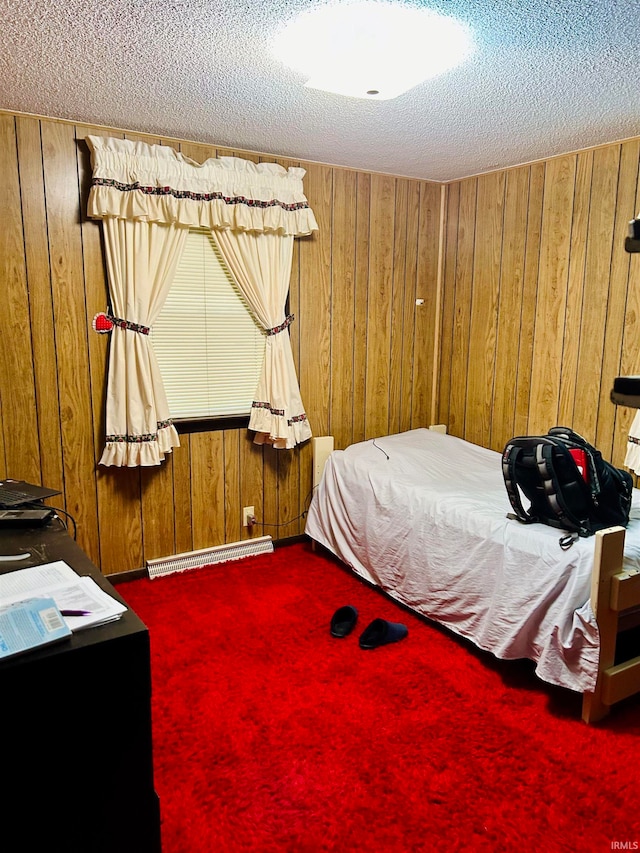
(248, 516)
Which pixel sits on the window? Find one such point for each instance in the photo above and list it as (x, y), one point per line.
(209, 346)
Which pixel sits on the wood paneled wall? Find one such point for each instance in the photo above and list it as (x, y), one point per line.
(538, 311)
(541, 304)
(363, 350)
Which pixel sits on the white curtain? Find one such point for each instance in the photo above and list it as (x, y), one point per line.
(632, 458)
(141, 262)
(261, 266)
(148, 196)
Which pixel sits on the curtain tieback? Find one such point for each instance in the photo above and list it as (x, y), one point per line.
(277, 329)
(103, 323)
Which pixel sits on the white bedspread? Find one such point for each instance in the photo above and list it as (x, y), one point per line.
(429, 526)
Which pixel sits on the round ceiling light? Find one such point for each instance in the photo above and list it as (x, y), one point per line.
(370, 49)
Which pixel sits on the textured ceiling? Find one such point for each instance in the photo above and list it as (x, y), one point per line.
(546, 78)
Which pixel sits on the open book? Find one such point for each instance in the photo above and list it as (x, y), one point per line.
(82, 603)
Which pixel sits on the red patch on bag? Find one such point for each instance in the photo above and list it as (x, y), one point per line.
(580, 458)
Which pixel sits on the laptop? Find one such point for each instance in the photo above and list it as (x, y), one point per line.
(17, 493)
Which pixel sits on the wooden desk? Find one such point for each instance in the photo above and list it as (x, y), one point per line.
(76, 756)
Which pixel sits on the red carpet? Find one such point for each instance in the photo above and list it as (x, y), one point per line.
(271, 735)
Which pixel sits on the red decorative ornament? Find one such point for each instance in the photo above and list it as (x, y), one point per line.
(102, 324)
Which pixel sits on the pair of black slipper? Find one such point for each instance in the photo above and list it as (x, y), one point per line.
(380, 632)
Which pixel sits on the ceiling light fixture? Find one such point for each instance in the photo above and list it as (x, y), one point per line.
(370, 49)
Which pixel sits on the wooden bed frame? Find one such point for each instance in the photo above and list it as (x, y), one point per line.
(613, 591)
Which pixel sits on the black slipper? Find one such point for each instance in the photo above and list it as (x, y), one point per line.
(380, 632)
(343, 621)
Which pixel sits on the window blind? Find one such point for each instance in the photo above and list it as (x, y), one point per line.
(209, 346)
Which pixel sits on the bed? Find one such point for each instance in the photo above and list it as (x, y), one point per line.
(423, 516)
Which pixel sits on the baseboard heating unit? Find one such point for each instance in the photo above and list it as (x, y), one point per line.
(209, 556)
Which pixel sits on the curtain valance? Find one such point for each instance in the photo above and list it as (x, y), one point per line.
(154, 183)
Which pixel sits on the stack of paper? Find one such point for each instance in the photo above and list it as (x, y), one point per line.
(79, 599)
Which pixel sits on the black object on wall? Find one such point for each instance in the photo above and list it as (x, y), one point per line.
(626, 390)
(632, 241)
